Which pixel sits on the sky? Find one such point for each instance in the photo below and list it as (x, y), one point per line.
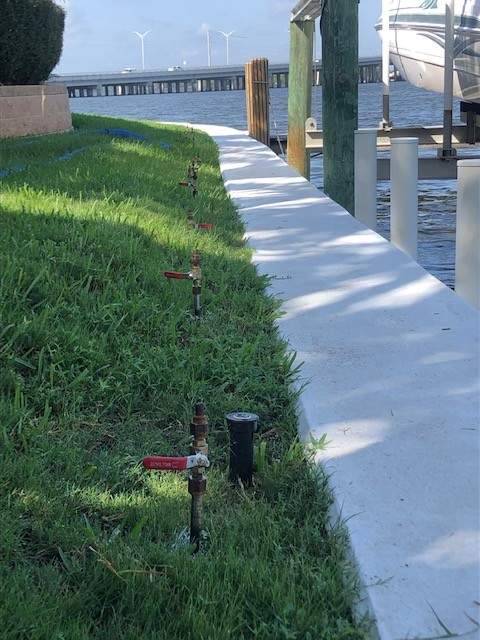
(99, 33)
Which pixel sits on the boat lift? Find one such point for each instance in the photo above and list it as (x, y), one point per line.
(446, 138)
(448, 135)
(438, 167)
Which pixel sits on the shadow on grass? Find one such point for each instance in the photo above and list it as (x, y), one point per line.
(101, 362)
(129, 172)
(90, 320)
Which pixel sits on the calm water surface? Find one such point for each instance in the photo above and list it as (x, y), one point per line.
(409, 106)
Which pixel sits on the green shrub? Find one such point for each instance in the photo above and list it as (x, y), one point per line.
(31, 38)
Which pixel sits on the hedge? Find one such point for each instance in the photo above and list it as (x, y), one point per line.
(31, 39)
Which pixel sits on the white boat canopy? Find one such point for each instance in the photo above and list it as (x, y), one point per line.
(307, 10)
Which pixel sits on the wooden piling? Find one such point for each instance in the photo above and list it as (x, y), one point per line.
(339, 27)
(300, 93)
(258, 99)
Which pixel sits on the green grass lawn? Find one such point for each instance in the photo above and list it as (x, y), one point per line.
(101, 363)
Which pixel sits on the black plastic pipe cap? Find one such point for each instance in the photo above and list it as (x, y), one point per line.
(242, 426)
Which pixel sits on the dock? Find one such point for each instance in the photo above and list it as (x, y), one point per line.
(464, 138)
(390, 361)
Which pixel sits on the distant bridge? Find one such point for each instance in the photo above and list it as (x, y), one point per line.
(227, 78)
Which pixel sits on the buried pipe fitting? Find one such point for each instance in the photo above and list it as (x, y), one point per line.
(241, 426)
(197, 486)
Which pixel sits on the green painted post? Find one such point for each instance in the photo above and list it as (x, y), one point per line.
(299, 93)
(339, 27)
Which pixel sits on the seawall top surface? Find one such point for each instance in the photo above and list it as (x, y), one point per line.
(392, 362)
(16, 91)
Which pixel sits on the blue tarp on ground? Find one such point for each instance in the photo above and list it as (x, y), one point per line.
(123, 133)
(67, 155)
(16, 168)
(126, 133)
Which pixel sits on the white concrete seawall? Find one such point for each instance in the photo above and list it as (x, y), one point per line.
(393, 363)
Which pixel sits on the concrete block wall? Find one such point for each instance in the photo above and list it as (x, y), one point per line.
(33, 109)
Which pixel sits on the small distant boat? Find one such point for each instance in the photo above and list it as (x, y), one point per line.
(417, 44)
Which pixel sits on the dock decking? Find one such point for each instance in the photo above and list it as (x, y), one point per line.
(391, 356)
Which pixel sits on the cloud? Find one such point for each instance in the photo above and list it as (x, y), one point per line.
(281, 7)
(77, 26)
(203, 28)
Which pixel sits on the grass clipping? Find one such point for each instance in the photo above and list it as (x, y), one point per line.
(101, 363)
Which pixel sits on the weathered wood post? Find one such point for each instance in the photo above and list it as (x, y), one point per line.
(257, 86)
(339, 25)
(300, 93)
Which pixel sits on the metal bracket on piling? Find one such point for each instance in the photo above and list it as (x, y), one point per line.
(313, 137)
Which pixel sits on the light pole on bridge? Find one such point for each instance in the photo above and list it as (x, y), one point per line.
(227, 37)
(142, 38)
(209, 48)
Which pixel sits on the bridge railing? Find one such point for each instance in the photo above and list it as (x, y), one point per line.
(177, 73)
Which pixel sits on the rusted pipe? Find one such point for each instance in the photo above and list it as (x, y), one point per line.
(197, 483)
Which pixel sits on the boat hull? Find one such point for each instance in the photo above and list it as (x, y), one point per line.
(429, 76)
(417, 45)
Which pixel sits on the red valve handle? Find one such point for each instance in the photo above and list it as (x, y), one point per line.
(207, 226)
(168, 463)
(165, 463)
(176, 275)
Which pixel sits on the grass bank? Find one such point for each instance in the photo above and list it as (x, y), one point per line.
(100, 364)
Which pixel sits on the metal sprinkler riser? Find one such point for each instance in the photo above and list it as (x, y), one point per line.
(198, 461)
(195, 275)
(192, 177)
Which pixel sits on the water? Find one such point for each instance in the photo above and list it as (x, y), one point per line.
(409, 106)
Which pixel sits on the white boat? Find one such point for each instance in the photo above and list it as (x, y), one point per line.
(417, 44)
